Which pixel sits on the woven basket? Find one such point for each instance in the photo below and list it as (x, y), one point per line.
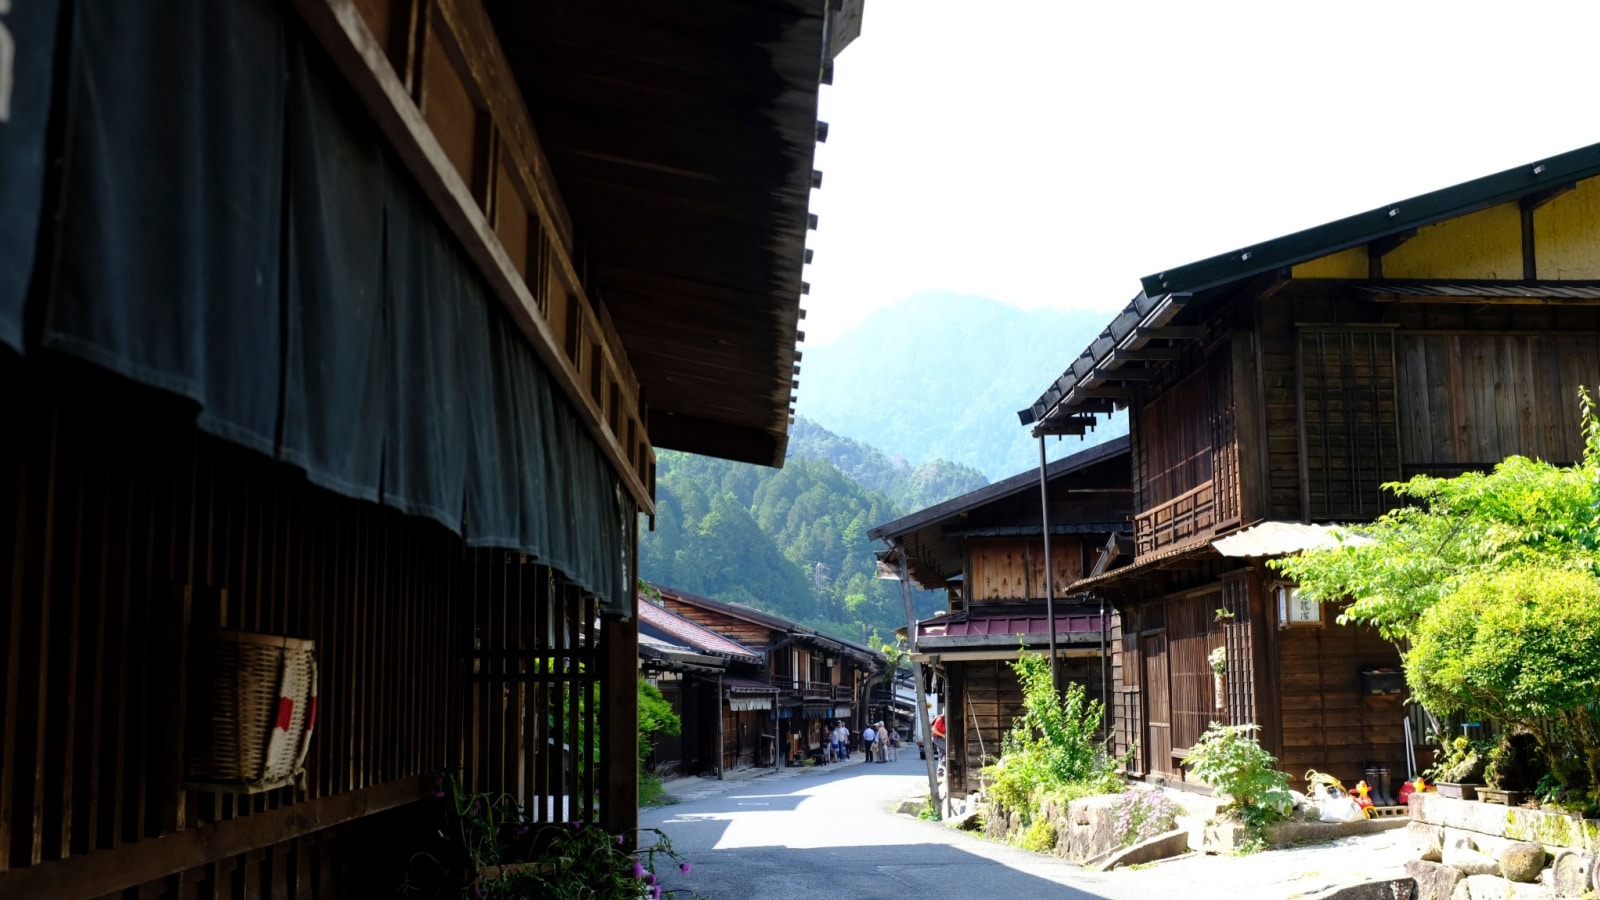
(256, 724)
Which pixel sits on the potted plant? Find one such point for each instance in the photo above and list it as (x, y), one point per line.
(1459, 771)
(1514, 768)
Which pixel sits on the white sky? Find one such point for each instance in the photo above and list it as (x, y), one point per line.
(1052, 152)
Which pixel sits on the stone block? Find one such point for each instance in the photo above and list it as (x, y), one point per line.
(1493, 887)
(1427, 840)
(1435, 881)
(1469, 861)
(1224, 837)
(1572, 872)
(1521, 862)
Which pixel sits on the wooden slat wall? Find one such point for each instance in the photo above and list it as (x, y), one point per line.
(1349, 412)
(1192, 633)
(1468, 401)
(1014, 569)
(1175, 442)
(1327, 724)
(1157, 705)
(1238, 638)
(121, 515)
(1225, 477)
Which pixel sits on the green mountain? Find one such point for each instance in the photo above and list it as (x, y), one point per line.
(793, 541)
(941, 376)
(910, 487)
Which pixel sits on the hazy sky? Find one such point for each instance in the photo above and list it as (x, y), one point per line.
(1052, 152)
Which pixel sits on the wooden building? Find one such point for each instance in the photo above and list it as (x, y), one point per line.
(821, 680)
(986, 550)
(708, 679)
(1273, 389)
(357, 322)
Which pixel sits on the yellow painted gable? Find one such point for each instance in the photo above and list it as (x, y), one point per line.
(1566, 234)
(1350, 263)
(1484, 244)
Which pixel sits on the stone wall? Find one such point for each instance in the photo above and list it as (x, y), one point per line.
(1082, 827)
(1468, 850)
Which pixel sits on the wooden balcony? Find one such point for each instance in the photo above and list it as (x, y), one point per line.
(1186, 518)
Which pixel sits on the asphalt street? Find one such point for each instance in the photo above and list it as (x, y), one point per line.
(830, 834)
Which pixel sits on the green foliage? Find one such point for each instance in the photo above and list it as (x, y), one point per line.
(1230, 759)
(1493, 581)
(1051, 749)
(486, 847)
(1523, 515)
(655, 717)
(790, 541)
(1459, 761)
(1039, 836)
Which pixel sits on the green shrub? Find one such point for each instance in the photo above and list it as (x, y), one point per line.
(1040, 836)
(1051, 749)
(1518, 645)
(1229, 758)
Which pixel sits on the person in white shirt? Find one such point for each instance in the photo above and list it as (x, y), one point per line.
(841, 743)
(869, 740)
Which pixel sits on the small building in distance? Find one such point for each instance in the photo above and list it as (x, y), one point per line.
(820, 680)
(986, 551)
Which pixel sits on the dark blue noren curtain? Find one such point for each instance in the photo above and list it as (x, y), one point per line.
(494, 493)
(166, 263)
(28, 46)
(335, 391)
(428, 288)
(231, 226)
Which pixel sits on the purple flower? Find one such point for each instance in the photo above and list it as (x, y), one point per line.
(649, 878)
(620, 839)
(655, 893)
(638, 869)
(576, 825)
(685, 868)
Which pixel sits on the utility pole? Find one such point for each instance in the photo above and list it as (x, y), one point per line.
(922, 702)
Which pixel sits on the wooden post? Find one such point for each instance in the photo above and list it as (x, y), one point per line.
(722, 748)
(1049, 574)
(619, 734)
(922, 703)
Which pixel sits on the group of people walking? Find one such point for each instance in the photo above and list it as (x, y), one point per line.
(882, 744)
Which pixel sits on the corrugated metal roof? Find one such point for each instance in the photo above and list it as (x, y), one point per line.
(703, 639)
(748, 686)
(1515, 290)
(1280, 538)
(979, 624)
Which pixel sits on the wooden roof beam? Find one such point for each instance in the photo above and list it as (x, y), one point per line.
(1378, 249)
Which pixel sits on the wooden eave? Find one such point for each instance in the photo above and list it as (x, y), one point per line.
(682, 138)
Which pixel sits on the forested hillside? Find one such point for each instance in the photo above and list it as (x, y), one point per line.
(793, 540)
(941, 376)
(909, 487)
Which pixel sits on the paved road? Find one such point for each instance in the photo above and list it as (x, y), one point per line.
(830, 835)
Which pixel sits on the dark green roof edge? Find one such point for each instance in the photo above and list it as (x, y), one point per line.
(1391, 218)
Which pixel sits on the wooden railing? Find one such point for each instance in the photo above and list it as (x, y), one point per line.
(1180, 520)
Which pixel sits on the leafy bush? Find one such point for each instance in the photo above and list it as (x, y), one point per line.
(1051, 749)
(1140, 815)
(1518, 645)
(1040, 836)
(1229, 758)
